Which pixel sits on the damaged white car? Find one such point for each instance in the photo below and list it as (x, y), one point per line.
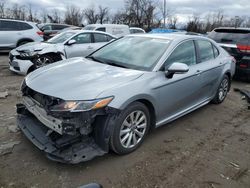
(74, 43)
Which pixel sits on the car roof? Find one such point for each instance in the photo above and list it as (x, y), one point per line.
(170, 36)
(17, 20)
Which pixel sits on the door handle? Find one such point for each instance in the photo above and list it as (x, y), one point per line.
(198, 72)
(90, 48)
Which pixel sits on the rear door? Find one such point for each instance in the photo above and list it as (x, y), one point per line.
(100, 40)
(211, 67)
(82, 47)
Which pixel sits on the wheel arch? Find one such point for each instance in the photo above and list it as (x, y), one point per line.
(24, 39)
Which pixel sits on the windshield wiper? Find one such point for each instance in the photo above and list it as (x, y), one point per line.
(96, 59)
(117, 65)
(105, 62)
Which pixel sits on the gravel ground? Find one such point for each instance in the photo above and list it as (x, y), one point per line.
(207, 148)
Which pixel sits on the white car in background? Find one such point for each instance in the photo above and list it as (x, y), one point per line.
(73, 43)
(14, 33)
(118, 30)
(134, 30)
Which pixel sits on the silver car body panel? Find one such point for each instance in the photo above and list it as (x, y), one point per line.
(171, 98)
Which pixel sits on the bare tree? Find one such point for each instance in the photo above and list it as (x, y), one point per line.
(73, 16)
(91, 15)
(2, 8)
(103, 14)
(54, 17)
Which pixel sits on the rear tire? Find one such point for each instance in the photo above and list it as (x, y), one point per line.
(222, 90)
(131, 128)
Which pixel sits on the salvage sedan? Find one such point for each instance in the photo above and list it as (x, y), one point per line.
(73, 43)
(81, 108)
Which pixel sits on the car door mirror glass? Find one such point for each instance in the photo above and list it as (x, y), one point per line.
(70, 42)
(176, 68)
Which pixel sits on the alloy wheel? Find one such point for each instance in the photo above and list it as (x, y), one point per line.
(133, 129)
(42, 61)
(223, 89)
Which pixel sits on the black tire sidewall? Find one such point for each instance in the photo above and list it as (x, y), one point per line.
(217, 100)
(115, 137)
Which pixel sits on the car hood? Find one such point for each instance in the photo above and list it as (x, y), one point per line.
(79, 79)
(35, 46)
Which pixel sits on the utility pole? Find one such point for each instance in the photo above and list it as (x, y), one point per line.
(164, 13)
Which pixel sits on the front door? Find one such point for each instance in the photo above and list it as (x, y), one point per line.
(81, 48)
(183, 91)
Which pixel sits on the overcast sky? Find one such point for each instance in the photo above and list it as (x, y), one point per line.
(183, 8)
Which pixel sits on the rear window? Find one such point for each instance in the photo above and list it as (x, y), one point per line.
(230, 36)
(206, 50)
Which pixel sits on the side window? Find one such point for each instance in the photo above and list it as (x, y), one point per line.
(103, 29)
(184, 53)
(10, 25)
(83, 38)
(206, 50)
(25, 26)
(58, 27)
(216, 52)
(100, 37)
(46, 28)
(109, 38)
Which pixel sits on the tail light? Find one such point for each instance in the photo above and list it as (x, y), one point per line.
(40, 33)
(243, 48)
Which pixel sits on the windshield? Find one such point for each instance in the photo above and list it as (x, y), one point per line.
(89, 28)
(61, 38)
(141, 53)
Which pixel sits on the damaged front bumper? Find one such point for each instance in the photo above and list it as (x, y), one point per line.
(63, 148)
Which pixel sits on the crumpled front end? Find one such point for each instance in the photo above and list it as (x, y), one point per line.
(69, 137)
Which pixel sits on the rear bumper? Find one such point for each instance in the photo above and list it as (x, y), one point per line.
(66, 149)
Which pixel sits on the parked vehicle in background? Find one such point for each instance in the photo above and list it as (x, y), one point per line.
(73, 43)
(117, 30)
(66, 29)
(49, 29)
(164, 30)
(236, 41)
(80, 108)
(15, 33)
(134, 30)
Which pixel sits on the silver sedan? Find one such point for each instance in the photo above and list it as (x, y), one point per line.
(82, 107)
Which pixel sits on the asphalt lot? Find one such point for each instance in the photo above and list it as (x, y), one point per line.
(207, 148)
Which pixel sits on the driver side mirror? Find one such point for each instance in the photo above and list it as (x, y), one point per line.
(176, 68)
(71, 42)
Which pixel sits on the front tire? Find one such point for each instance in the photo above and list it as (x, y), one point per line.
(130, 129)
(43, 60)
(222, 90)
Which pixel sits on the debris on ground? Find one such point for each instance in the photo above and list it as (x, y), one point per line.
(234, 165)
(13, 128)
(3, 95)
(7, 148)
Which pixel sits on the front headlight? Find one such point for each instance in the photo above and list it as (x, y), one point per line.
(81, 106)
